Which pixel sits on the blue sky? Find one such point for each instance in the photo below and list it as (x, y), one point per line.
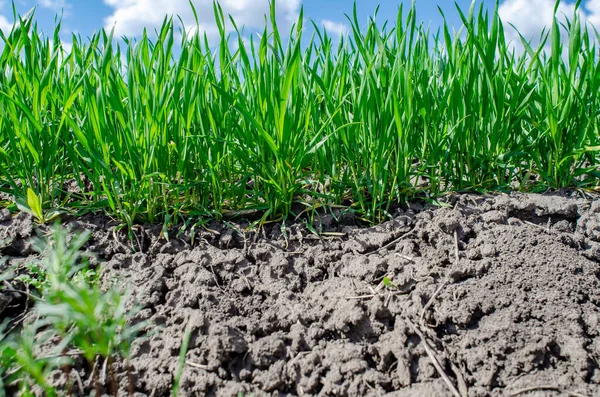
(129, 17)
(86, 16)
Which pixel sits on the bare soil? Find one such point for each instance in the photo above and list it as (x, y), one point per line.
(516, 313)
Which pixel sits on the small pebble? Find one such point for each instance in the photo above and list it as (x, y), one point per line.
(515, 222)
(563, 226)
(4, 215)
(494, 217)
(449, 223)
(488, 251)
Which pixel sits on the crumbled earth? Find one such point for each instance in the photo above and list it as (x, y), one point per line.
(503, 291)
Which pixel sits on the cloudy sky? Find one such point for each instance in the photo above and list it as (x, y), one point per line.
(129, 17)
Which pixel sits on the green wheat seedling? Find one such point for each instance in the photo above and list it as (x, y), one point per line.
(165, 127)
(181, 361)
(34, 206)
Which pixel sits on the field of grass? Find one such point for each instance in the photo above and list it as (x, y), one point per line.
(151, 130)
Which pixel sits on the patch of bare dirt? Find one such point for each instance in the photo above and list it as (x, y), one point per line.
(517, 313)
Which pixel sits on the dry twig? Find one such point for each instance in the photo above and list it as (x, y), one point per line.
(428, 349)
(444, 283)
(386, 293)
(198, 366)
(546, 387)
(394, 241)
(434, 360)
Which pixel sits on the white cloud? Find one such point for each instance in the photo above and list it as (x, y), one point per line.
(67, 46)
(56, 5)
(5, 26)
(131, 16)
(593, 8)
(530, 17)
(334, 28)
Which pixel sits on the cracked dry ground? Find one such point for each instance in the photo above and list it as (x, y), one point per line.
(519, 313)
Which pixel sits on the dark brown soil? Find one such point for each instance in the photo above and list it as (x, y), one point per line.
(517, 314)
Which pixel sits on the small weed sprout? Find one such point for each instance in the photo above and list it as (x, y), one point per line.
(389, 284)
(74, 312)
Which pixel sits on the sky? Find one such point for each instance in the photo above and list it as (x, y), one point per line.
(130, 17)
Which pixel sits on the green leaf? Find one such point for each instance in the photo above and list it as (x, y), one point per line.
(388, 283)
(35, 204)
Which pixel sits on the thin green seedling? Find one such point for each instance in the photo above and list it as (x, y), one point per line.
(389, 284)
(181, 361)
(25, 368)
(7, 355)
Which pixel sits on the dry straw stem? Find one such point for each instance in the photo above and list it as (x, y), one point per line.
(428, 349)
(443, 284)
(195, 365)
(546, 387)
(435, 362)
(393, 242)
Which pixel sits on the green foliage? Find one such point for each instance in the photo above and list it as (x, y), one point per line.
(92, 320)
(34, 276)
(71, 311)
(154, 130)
(389, 284)
(33, 206)
(181, 362)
